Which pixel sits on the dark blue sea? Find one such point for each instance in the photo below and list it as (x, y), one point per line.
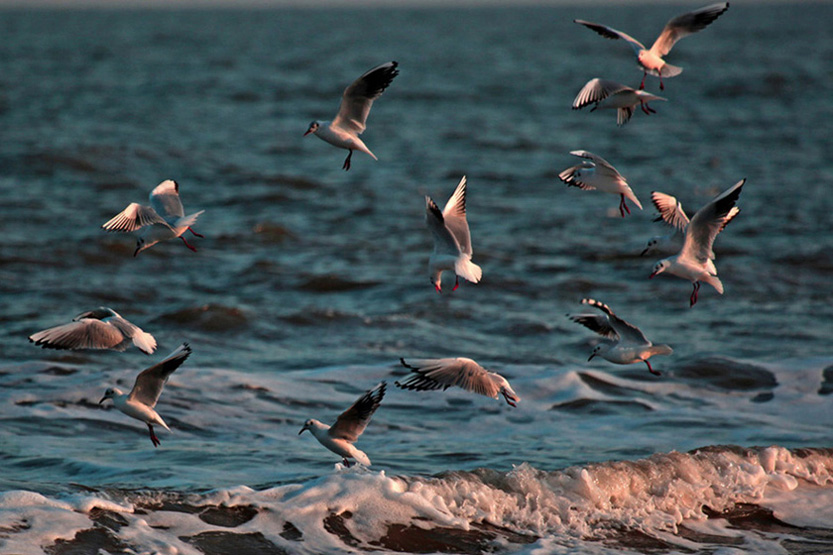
(311, 283)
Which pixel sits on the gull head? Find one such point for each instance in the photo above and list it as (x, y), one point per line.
(110, 393)
(140, 246)
(660, 267)
(313, 127)
(308, 425)
(599, 350)
(436, 281)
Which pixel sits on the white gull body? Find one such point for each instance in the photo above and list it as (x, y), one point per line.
(102, 328)
(651, 59)
(347, 428)
(603, 93)
(695, 261)
(164, 219)
(626, 343)
(597, 173)
(442, 373)
(141, 400)
(351, 120)
(452, 239)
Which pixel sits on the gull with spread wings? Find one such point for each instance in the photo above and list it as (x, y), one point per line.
(595, 172)
(603, 93)
(102, 328)
(441, 373)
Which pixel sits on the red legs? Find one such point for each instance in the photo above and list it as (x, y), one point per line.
(623, 207)
(508, 400)
(186, 243)
(195, 233)
(693, 298)
(647, 109)
(346, 165)
(456, 284)
(642, 84)
(651, 370)
(153, 438)
(438, 288)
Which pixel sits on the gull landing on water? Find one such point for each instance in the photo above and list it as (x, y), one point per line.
(597, 173)
(650, 60)
(452, 239)
(142, 398)
(163, 219)
(442, 373)
(102, 328)
(610, 94)
(347, 428)
(351, 120)
(627, 345)
(695, 261)
(671, 212)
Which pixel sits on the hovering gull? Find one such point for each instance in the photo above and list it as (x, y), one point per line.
(348, 426)
(628, 346)
(452, 239)
(351, 120)
(102, 328)
(695, 261)
(441, 373)
(650, 60)
(595, 172)
(671, 212)
(163, 219)
(142, 398)
(610, 94)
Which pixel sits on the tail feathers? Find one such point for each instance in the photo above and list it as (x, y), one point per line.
(623, 115)
(144, 341)
(631, 196)
(661, 350)
(669, 71)
(187, 221)
(715, 282)
(467, 269)
(361, 457)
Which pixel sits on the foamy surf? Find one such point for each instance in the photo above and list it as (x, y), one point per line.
(669, 501)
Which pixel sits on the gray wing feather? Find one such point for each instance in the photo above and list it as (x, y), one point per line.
(708, 222)
(86, 333)
(149, 382)
(442, 373)
(165, 200)
(352, 422)
(358, 97)
(685, 25)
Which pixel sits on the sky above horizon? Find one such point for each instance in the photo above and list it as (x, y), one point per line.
(339, 3)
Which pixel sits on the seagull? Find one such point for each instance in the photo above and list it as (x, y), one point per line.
(339, 437)
(452, 239)
(610, 94)
(595, 172)
(163, 219)
(441, 373)
(142, 398)
(102, 328)
(650, 60)
(628, 344)
(351, 120)
(695, 261)
(671, 212)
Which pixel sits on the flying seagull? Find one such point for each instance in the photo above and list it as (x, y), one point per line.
(624, 344)
(452, 239)
(347, 428)
(603, 93)
(695, 261)
(595, 172)
(142, 398)
(102, 328)
(351, 120)
(163, 219)
(651, 60)
(442, 373)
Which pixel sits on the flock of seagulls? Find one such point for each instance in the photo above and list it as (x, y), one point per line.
(620, 343)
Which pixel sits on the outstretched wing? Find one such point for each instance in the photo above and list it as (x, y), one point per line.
(149, 382)
(359, 96)
(84, 333)
(442, 373)
(602, 166)
(454, 215)
(627, 332)
(165, 200)
(596, 90)
(685, 25)
(444, 240)
(611, 33)
(134, 217)
(351, 423)
(670, 210)
(708, 222)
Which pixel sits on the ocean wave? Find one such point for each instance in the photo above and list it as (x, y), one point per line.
(677, 500)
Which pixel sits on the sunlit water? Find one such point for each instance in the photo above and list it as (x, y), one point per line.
(311, 283)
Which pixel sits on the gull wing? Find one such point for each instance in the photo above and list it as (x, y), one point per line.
(611, 33)
(708, 222)
(351, 423)
(85, 333)
(670, 210)
(595, 91)
(358, 98)
(442, 373)
(134, 217)
(454, 215)
(149, 382)
(595, 322)
(626, 332)
(165, 200)
(602, 166)
(444, 240)
(685, 25)
(569, 176)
